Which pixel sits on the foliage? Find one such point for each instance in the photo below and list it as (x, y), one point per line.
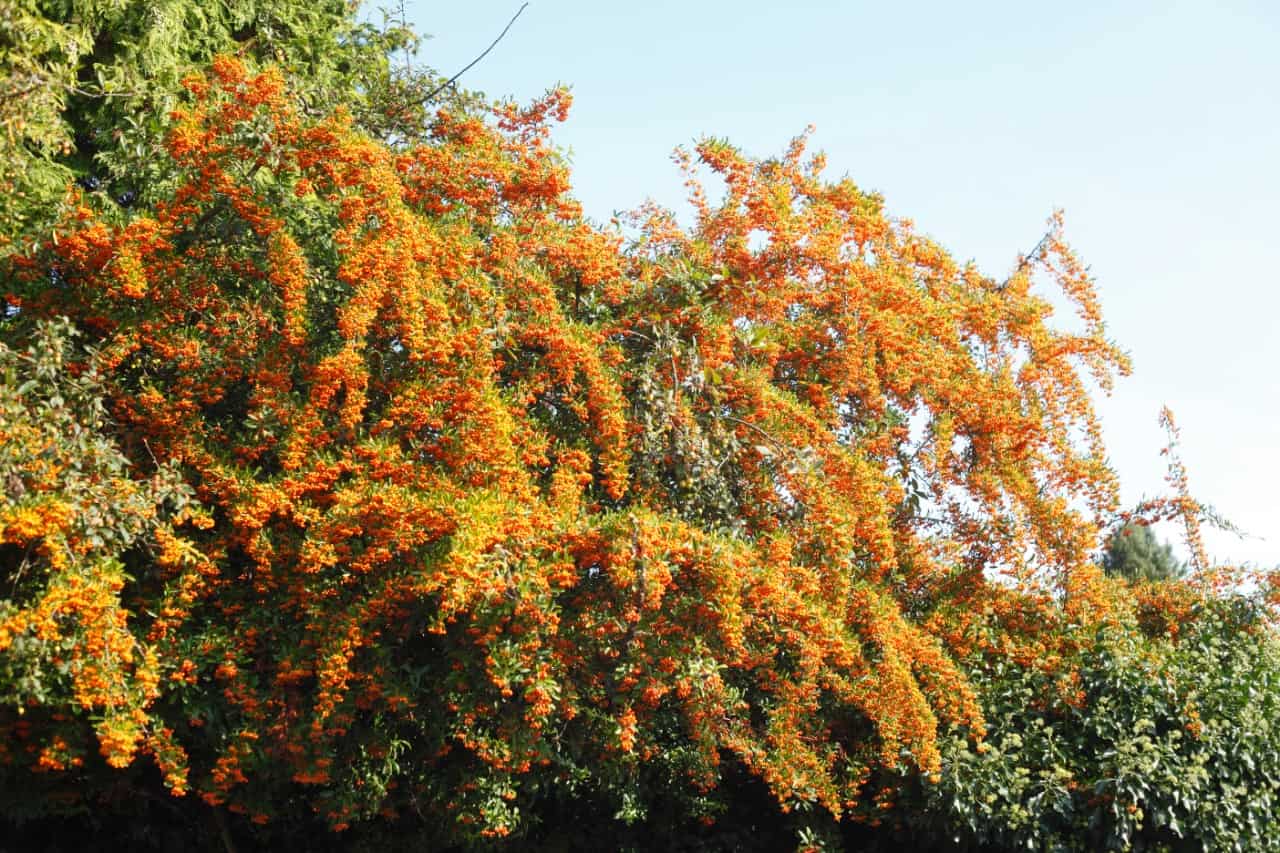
(87, 87)
(378, 368)
(1145, 743)
(505, 524)
(1134, 553)
(70, 513)
(37, 68)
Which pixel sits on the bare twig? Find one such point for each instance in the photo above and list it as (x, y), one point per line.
(404, 25)
(447, 83)
(763, 434)
(87, 93)
(224, 832)
(1026, 259)
(12, 91)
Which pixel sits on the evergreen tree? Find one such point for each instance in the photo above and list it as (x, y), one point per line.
(1134, 553)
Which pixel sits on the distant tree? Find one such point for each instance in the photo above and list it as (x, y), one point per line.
(1134, 553)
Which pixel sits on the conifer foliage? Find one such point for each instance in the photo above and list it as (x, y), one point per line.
(1134, 553)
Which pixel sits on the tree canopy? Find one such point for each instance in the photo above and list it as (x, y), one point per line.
(1134, 553)
(87, 87)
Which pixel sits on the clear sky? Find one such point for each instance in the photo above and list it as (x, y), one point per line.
(1155, 125)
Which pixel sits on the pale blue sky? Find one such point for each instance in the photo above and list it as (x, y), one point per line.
(1155, 125)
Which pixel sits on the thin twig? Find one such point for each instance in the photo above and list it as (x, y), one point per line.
(86, 93)
(759, 431)
(13, 92)
(641, 335)
(404, 25)
(1026, 259)
(447, 83)
(224, 831)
